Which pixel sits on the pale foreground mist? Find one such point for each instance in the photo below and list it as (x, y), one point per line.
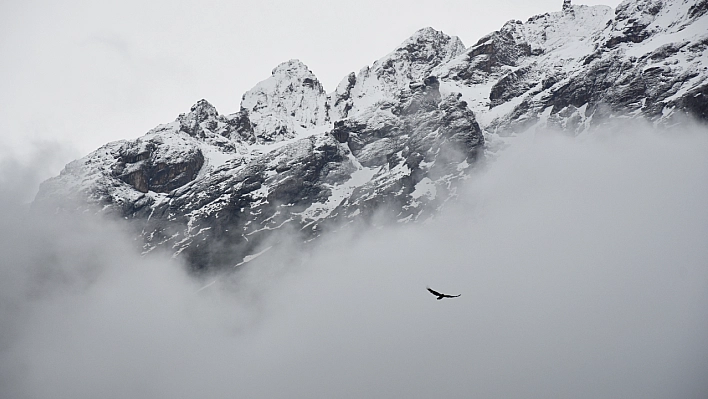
(582, 264)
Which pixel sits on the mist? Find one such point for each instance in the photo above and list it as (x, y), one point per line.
(581, 262)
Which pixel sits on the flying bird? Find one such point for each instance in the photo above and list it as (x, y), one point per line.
(441, 296)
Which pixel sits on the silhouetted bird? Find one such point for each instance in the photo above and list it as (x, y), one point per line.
(441, 296)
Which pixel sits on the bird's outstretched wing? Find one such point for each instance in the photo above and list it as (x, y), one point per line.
(441, 295)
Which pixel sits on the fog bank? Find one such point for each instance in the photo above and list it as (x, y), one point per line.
(582, 266)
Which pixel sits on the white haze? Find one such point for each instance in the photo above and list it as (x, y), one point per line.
(582, 264)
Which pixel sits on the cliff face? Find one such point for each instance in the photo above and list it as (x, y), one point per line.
(394, 139)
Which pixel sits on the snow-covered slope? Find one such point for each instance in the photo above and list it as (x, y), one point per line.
(412, 61)
(395, 138)
(573, 68)
(287, 104)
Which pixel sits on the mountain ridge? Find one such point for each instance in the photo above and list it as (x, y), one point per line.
(393, 140)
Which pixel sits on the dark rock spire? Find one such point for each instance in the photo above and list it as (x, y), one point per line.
(567, 6)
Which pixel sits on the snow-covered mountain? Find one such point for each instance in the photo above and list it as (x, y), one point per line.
(291, 101)
(412, 61)
(394, 139)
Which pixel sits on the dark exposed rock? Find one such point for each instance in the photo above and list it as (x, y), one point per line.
(240, 128)
(146, 166)
(567, 6)
(666, 51)
(634, 18)
(496, 50)
(512, 85)
(699, 9)
(695, 103)
(422, 97)
(341, 98)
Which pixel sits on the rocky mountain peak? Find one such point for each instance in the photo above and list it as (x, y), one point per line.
(417, 56)
(286, 104)
(428, 41)
(567, 6)
(292, 67)
(412, 61)
(202, 111)
(204, 123)
(201, 115)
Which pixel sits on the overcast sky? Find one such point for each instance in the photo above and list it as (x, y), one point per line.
(581, 263)
(76, 74)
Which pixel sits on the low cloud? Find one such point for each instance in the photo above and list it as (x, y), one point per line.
(581, 265)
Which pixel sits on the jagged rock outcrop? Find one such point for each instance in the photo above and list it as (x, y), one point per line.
(393, 140)
(152, 165)
(423, 144)
(204, 122)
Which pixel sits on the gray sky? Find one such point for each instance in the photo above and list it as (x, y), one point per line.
(581, 265)
(76, 74)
